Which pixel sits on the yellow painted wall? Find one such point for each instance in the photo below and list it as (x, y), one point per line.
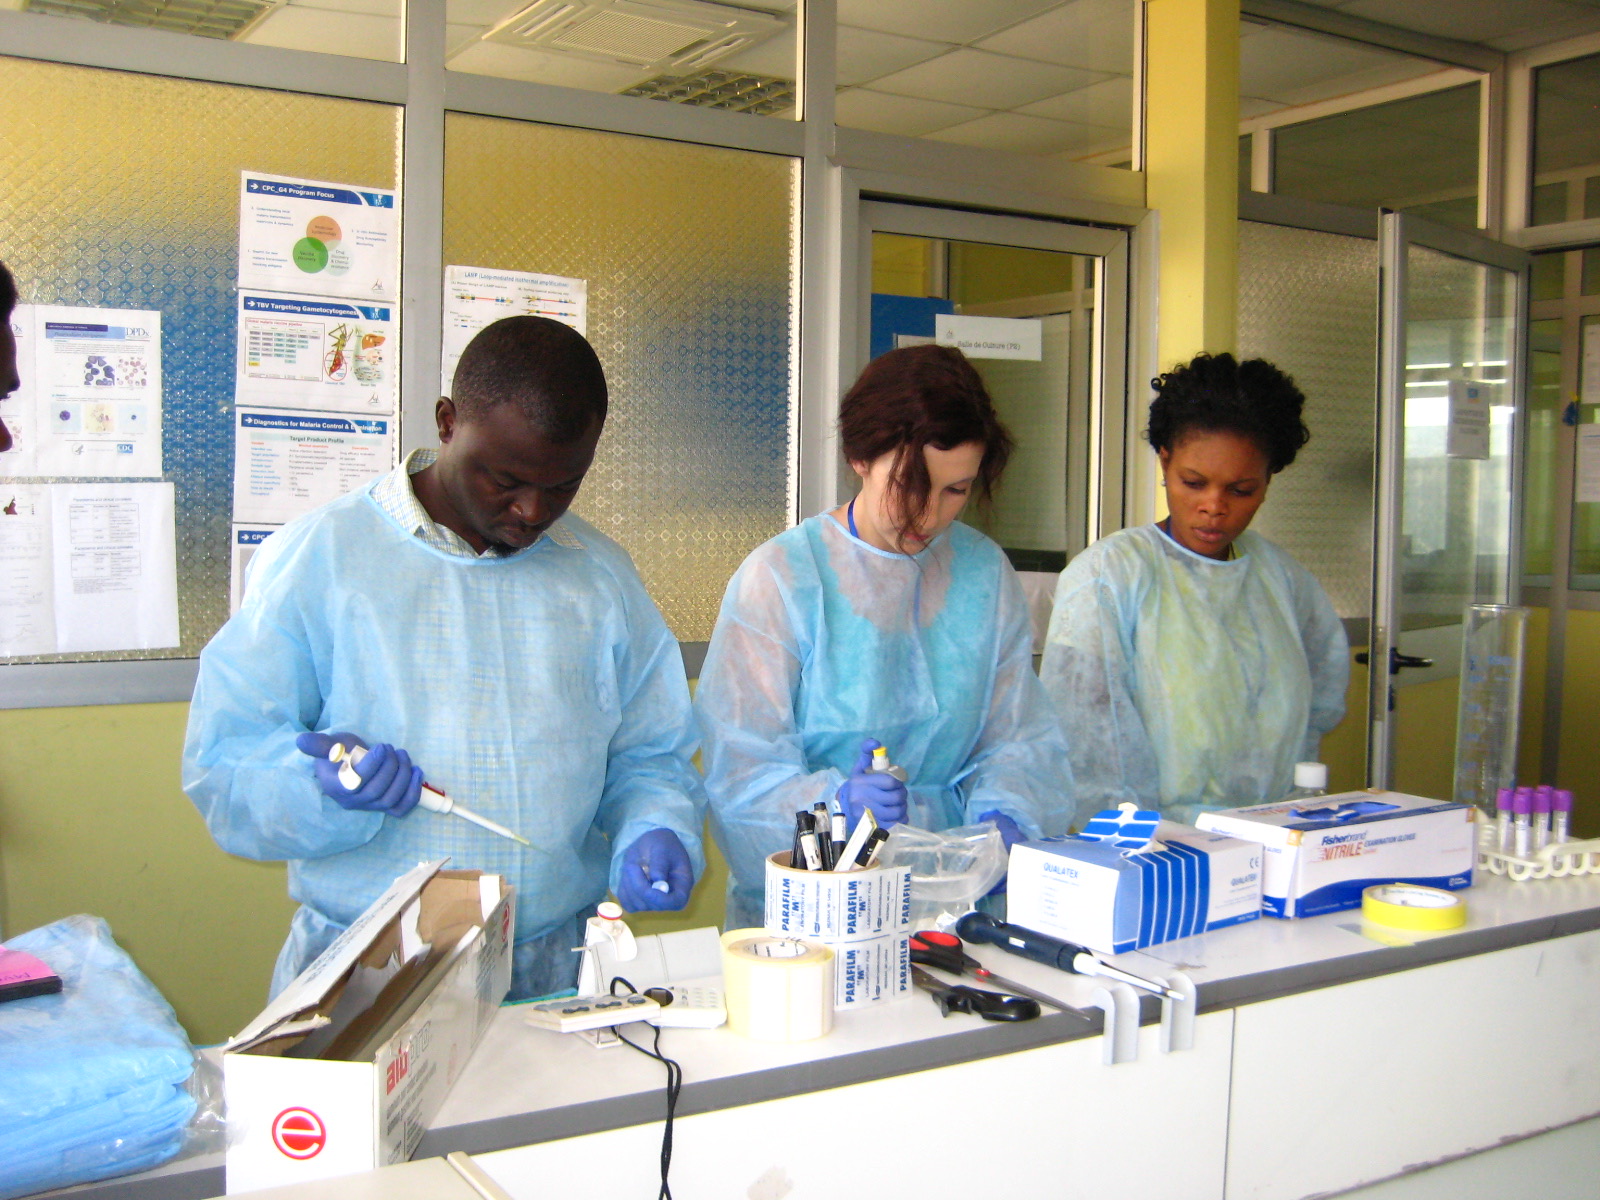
(1580, 704)
(92, 820)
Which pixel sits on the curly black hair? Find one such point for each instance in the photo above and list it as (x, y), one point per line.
(1216, 393)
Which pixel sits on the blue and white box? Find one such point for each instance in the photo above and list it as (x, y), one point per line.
(1113, 899)
(1319, 855)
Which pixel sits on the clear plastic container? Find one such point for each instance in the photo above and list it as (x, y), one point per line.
(1490, 704)
(1310, 781)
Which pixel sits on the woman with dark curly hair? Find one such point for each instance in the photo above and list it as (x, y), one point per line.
(882, 619)
(1193, 662)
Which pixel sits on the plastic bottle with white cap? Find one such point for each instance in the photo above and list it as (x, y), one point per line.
(1310, 781)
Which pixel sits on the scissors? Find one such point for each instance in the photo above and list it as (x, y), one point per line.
(991, 1006)
(943, 952)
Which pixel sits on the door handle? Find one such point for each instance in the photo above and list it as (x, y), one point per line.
(1397, 661)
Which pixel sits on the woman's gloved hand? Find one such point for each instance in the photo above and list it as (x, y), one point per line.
(885, 795)
(389, 783)
(655, 857)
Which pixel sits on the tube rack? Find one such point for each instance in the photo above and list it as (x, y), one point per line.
(1555, 861)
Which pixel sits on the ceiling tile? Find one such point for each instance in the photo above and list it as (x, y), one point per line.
(1277, 63)
(1019, 134)
(958, 21)
(373, 8)
(459, 37)
(1478, 21)
(357, 35)
(776, 56)
(859, 108)
(1094, 34)
(481, 12)
(866, 54)
(537, 66)
(987, 80)
(1108, 105)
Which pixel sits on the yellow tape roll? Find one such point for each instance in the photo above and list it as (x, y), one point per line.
(1412, 906)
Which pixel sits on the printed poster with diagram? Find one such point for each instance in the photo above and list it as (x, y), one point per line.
(479, 296)
(304, 235)
(246, 539)
(287, 463)
(87, 567)
(307, 352)
(90, 404)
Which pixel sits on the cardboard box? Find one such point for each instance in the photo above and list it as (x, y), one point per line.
(345, 1068)
(1113, 899)
(1313, 864)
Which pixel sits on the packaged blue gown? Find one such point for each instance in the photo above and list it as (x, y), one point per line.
(92, 1078)
(824, 640)
(1185, 682)
(541, 689)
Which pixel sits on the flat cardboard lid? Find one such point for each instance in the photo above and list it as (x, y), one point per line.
(312, 985)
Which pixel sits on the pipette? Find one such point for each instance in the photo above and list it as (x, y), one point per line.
(431, 799)
(981, 928)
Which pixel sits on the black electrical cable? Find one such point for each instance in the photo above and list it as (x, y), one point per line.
(674, 1086)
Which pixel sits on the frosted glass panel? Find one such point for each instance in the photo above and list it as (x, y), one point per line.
(144, 213)
(1308, 302)
(689, 256)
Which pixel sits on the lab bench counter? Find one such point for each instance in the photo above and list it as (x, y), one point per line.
(1323, 1061)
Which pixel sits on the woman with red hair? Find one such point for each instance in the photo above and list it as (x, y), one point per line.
(883, 621)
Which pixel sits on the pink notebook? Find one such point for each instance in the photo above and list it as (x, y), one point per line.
(24, 975)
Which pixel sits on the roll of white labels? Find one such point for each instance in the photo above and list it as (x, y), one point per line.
(777, 989)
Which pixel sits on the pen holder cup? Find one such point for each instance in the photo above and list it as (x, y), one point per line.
(864, 917)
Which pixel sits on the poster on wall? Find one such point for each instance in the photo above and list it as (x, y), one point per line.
(246, 538)
(1467, 434)
(287, 463)
(479, 296)
(307, 352)
(991, 337)
(87, 567)
(90, 404)
(1590, 365)
(329, 239)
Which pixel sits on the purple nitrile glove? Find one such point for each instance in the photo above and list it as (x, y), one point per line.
(885, 795)
(389, 783)
(655, 857)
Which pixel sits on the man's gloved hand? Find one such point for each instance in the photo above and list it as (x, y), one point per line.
(1010, 834)
(655, 857)
(389, 783)
(884, 794)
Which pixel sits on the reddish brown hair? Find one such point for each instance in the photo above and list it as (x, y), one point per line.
(915, 397)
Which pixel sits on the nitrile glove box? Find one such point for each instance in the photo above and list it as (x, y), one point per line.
(1113, 899)
(343, 1070)
(1315, 860)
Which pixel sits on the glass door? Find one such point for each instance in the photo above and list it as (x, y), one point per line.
(1453, 335)
(1040, 307)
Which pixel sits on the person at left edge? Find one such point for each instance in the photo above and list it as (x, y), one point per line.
(462, 624)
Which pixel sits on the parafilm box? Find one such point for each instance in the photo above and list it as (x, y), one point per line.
(1319, 855)
(342, 1072)
(862, 916)
(1115, 899)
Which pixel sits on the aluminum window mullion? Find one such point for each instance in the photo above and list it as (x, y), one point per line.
(1386, 507)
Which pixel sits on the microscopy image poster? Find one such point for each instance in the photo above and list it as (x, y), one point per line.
(307, 352)
(96, 392)
(329, 239)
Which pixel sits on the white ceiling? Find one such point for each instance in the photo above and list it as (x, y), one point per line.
(1045, 77)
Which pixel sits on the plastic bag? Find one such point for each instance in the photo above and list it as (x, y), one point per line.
(96, 1076)
(950, 871)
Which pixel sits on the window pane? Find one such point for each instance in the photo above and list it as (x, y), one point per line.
(1590, 282)
(1586, 515)
(1566, 152)
(1037, 77)
(1549, 271)
(151, 221)
(741, 58)
(355, 28)
(688, 252)
(1418, 154)
(1544, 435)
(1246, 158)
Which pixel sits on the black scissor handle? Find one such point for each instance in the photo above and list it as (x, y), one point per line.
(991, 1006)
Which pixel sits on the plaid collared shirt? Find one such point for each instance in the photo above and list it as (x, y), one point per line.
(395, 495)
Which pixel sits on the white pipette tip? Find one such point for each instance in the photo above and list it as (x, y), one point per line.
(491, 826)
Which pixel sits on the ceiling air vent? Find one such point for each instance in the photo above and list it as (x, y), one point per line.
(662, 36)
(207, 18)
(732, 90)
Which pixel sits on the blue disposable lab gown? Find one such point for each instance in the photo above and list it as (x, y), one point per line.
(824, 640)
(1186, 683)
(541, 689)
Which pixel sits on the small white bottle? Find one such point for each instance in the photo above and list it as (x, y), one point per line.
(882, 766)
(1310, 781)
